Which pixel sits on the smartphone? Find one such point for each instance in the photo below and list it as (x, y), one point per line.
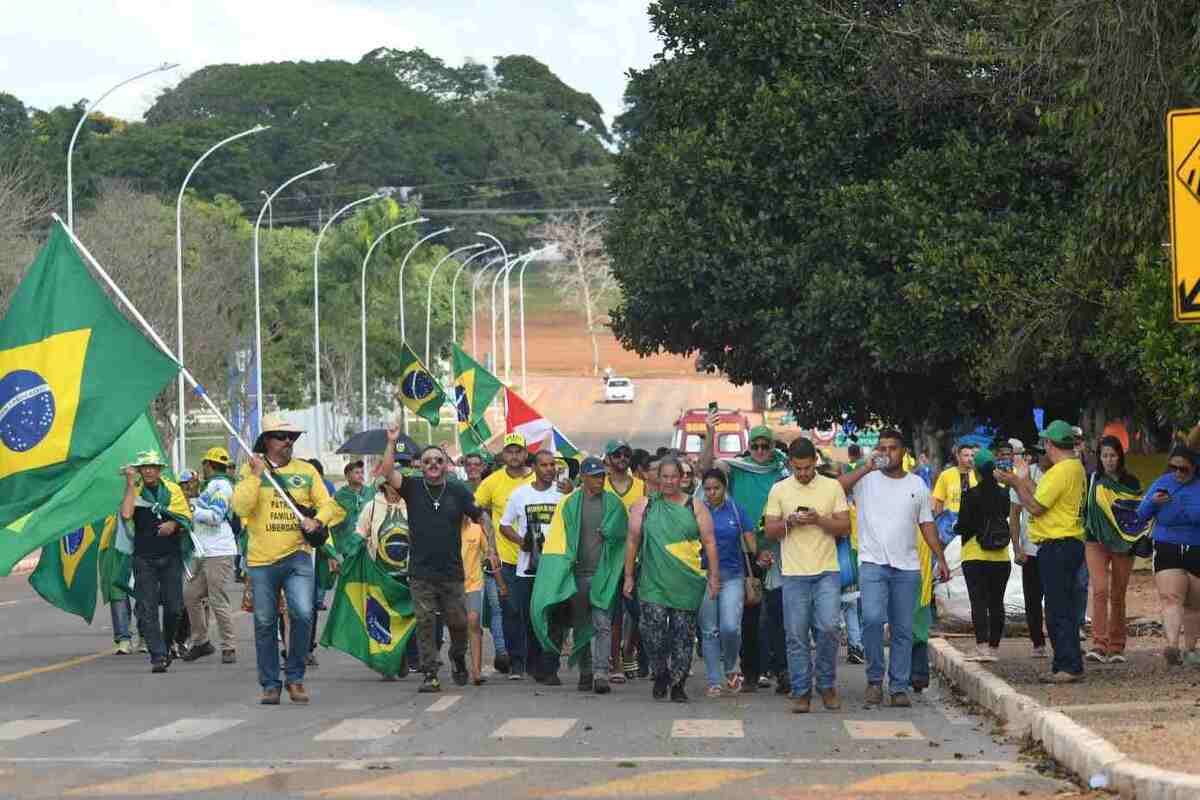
(802, 509)
(713, 407)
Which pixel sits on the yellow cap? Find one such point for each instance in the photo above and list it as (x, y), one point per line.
(217, 455)
(514, 440)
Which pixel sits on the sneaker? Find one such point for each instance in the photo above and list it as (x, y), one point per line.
(270, 697)
(1173, 656)
(901, 700)
(1040, 652)
(550, 679)
(459, 673)
(764, 682)
(123, 648)
(874, 695)
(601, 686)
(802, 704)
(199, 651)
(310, 661)
(501, 663)
(678, 693)
(830, 699)
(430, 684)
(297, 694)
(586, 681)
(1096, 655)
(1118, 658)
(616, 677)
(661, 684)
(228, 656)
(516, 676)
(139, 644)
(160, 665)
(1061, 677)
(855, 655)
(714, 692)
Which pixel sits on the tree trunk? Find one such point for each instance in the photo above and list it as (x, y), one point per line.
(587, 309)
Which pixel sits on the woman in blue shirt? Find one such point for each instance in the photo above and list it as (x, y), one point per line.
(721, 617)
(1173, 502)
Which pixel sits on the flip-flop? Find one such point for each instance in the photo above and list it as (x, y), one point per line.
(616, 677)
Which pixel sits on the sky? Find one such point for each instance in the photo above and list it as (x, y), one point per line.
(57, 51)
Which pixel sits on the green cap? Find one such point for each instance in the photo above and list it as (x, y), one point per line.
(762, 432)
(983, 457)
(1059, 432)
(148, 458)
(616, 444)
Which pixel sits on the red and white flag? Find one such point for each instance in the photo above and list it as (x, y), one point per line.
(539, 432)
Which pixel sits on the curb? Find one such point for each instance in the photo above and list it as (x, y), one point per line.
(1079, 748)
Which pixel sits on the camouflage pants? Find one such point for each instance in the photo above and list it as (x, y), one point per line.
(429, 597)
(669, 636)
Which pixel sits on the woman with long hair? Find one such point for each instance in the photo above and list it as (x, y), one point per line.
(667, 530)
(986, 563)
(1109, 555)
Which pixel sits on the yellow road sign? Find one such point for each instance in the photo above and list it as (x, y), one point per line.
(1183, 161)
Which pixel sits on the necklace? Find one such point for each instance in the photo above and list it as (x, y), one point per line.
(437, 501)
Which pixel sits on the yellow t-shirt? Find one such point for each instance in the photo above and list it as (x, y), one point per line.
(635, 492)
(472, 556)
(948, 487)
(1061, 493)
(492, 496)
(807, 549)
(273, 532)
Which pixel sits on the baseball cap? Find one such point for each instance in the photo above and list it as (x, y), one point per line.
(591, 466)
(616, 444)
(761, 432)
(1017, 445)
(187, 476)
(1060, 433)
(217, 455)
(514, 440)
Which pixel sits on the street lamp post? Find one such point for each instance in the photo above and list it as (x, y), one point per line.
(507, 327)
(400, 289)
(79, 125)
(505, 268)
(474, 289)
(363, 297)
(317, 303)
(526, 259)
(270, 211)
(454, 291)
(181, 439)
(429, 294)
(258, 290)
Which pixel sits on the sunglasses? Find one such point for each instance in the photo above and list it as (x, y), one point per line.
(621, 454)
(760, 446)
(430, 462)
(1184, 468)
(282, 437)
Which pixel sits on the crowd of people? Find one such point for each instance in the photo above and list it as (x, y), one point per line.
(630, 563)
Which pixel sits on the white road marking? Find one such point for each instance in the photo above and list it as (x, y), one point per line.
(20, 728)
(881, 729)
(444, 704)
(12, 603)
(361, 729)
(707, 729)
(534, 728)
(185, 730)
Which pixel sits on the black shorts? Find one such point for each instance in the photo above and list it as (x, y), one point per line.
(1177, 556)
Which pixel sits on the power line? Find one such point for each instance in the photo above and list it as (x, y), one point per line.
(313, 216)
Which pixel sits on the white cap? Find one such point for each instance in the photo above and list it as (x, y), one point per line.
(1017, 445)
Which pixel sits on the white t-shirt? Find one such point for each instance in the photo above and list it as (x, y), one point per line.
(1027, 546)
(889, 511)
(528, 508)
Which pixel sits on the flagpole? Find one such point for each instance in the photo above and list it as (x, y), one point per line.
(429, 293)
(454, 293)
(363, 297)
(162, 345)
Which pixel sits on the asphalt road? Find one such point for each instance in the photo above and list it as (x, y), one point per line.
(77, 721)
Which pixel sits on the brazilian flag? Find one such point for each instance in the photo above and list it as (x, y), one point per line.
(74, 376)
(114, 560)
(371, 617)
(66, 572)
(474, 390)
(419, 390)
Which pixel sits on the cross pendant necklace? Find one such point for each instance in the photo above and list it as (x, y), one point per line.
(437, 501)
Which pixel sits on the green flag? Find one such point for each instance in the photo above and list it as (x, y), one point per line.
(91, 493)
(670, 573)
(74, 375)
(419, 390)
(115, 564)
(555, 579)
(474, 390)
(66, 572)
(371, 617)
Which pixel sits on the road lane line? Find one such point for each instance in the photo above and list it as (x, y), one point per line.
(352, 730)
(692, 782)
(707, 729)
(185, 730)
(173, 783)
(534, 728)
(20, 728)
(881, 729)
(444, 704)
(72, 662)
(12, 603)
(422, 783)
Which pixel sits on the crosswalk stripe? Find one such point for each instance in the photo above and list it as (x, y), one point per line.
(707, 729)
(422, 783)
(172, 782)
(667, 782)
(20, 728)
(361, 729)
(444, 703)
(534, 728)
(185, 729)
(881, 729)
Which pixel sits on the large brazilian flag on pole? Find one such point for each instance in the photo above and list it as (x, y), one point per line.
(419, 390)
(474, 390)
(75, 375)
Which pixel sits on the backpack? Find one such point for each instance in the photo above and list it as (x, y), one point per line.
(995, 534)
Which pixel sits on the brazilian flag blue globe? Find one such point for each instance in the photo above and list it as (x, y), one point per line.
(419, 390)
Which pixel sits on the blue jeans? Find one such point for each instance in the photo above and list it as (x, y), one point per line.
(296, 576)
(811, 603)
(773, 633)
(1058, 565)
(1082, 583)
(491, 596)
(889, 595)
(120, 619)
(721, 629)
(850, 613)
(516, 619)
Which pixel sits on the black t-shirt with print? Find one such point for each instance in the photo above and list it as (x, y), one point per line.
(435, 533)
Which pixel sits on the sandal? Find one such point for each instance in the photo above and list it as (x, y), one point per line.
(733, 683)
(714, 691)
(616, 677)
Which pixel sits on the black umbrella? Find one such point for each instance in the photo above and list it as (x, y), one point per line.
(374, 442)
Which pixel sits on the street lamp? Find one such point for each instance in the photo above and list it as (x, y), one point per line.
(507, 328)
(500, 273)
(181, 449)
(363, 297)
(526, 259)
(403, 264)
(454, 291)
(474, 326)
(378, 195)
(270, 211)
(258, 293)
(75, 134)
(429, 294)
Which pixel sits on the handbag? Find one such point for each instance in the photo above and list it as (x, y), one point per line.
(315, 538)
(752, 584)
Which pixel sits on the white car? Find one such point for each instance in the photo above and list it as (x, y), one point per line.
(618, 390)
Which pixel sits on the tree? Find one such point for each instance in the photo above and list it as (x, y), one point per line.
(584, 279)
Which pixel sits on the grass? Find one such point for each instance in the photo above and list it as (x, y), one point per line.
(540, 294)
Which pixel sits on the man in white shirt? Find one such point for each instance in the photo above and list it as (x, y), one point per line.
(891, 505)
(215, 553)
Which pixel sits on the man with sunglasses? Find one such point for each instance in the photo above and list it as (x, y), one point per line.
(436, 508)
(618, 457)
(278, 555)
